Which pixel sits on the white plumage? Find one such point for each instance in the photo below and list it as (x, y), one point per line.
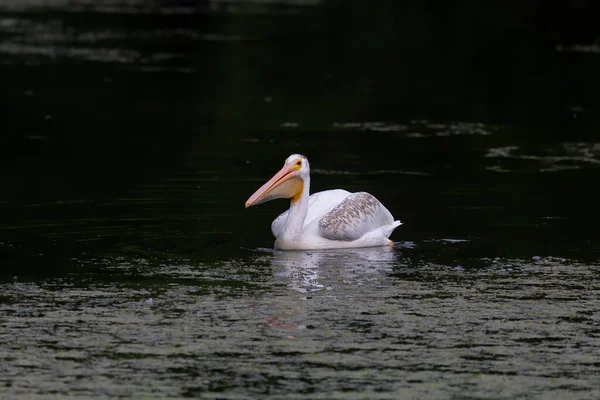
(319, 204)
(323, 220)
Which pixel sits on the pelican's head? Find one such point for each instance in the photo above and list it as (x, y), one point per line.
(288, 183)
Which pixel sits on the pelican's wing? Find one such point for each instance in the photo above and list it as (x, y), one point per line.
(358, 214)
(319, 204)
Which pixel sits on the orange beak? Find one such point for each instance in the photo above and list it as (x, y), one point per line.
(283, 185)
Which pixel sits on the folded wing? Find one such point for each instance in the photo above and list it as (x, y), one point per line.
(358, 214)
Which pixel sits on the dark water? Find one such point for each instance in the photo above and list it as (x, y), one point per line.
(135, 131)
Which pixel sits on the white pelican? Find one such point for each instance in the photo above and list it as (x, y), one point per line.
(330, 219)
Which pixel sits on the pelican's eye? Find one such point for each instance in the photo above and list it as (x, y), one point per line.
(297, 165)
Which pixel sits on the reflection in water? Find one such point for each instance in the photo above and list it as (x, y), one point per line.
(155, 7)
(319, 171)
(422, 128)
(560, 157)
(579, 48)
(55, 40)
(226, 327)
(310, 271)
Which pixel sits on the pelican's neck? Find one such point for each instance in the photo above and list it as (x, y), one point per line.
(297, 214)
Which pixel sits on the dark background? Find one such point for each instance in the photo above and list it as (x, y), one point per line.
(529, 62)
(97, 98)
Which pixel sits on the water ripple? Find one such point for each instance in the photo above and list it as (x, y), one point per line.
(124, 56)
(422, 128)
(376, 323)
(561, 157)
(159, 7)
(32, 41)
(318, 171)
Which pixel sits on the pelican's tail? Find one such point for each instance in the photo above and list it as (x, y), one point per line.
(388, 229)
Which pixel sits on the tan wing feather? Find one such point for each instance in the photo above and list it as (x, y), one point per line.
(356, 215)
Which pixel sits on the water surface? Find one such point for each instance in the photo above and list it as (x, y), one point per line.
(129, 266)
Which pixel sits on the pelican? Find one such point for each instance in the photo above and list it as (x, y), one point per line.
(331, 219)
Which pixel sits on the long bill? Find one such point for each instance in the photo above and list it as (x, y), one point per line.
(284, 184)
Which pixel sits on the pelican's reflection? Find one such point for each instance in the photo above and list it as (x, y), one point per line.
(309, 271)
